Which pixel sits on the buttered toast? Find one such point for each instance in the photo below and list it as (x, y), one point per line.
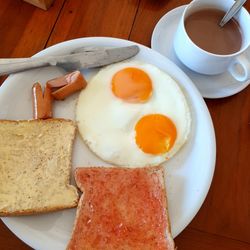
(35, 165)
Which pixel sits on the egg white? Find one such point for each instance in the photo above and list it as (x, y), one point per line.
(106, 123)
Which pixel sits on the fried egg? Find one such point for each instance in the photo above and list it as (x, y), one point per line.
(133, 114)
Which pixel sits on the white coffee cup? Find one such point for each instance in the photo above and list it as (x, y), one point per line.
(208, 63)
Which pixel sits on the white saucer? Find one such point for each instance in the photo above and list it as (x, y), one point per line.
(209, 86)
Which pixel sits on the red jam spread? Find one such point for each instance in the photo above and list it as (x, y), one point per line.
(120, 209)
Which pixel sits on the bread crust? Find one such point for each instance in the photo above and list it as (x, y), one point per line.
(38, 120)
(38, 210)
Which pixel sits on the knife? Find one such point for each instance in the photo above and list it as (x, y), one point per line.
(80, 59)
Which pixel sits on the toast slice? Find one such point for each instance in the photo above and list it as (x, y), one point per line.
(35, 164)
(121, 209)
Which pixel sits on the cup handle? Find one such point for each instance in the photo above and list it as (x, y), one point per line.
(240, 68)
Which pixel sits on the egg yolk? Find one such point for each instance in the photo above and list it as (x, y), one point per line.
(155, 134)
(132, 85)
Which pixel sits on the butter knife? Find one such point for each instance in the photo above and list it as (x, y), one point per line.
(77, 60)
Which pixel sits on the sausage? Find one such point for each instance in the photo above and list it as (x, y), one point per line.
(42, 103)
(66, 85)
(48, 99)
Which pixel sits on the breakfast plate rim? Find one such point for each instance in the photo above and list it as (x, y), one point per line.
(74, 43)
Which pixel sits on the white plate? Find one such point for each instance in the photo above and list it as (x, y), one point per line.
(189, 173)
(217, 86)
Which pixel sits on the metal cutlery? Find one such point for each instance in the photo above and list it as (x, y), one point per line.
(78, 59)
